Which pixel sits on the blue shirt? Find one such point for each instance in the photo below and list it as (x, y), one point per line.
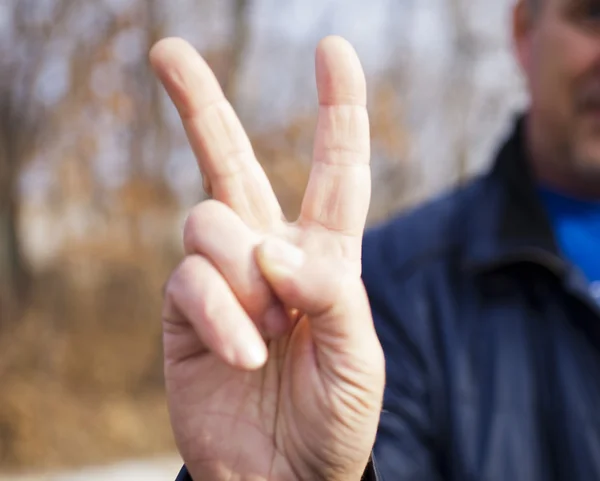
(576, 226)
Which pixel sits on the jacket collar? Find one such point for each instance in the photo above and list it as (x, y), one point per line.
(508, 222)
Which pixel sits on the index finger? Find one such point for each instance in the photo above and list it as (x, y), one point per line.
(215, 133)
(339, 189)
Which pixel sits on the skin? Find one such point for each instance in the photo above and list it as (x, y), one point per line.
(558, 47)
(273, 368)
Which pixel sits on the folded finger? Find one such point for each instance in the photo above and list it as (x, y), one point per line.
(198, 297)
(214, 231)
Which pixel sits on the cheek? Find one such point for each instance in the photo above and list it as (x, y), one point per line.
(560, 58)
(579, 55)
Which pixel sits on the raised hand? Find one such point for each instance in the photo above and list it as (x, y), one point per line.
(272, 365)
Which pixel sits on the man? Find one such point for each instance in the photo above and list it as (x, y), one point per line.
(480, 300)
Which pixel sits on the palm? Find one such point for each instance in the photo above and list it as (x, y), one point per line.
(271, 422)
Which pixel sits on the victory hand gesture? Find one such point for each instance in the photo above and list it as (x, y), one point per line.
(272, 364)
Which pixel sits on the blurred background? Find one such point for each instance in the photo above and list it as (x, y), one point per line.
(96, 178)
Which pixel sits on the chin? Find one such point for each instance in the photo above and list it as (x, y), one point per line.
(585, 146)
(585, 170)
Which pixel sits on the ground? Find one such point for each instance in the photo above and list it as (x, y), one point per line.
(81, 371)
(159, 469)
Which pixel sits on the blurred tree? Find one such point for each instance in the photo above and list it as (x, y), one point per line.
(22, 125)
(240, 37)
(107, 76)
(461, 84)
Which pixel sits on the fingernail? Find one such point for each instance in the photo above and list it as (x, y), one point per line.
(254, 355)
(282, 255)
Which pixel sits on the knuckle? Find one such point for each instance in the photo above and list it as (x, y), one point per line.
(170, 311)
(202, 216)
(196, 283)
(188, 276)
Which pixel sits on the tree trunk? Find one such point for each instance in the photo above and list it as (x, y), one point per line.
(14, 274)
(240, 36)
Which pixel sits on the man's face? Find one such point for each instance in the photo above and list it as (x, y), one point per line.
(559, 50)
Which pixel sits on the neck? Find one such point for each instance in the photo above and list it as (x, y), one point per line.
(549, 168)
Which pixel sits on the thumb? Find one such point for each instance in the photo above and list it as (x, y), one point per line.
(324, 288)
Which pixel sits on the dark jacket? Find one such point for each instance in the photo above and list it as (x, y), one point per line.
(492, 340)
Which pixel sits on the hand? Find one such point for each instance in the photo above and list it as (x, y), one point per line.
(273, 367)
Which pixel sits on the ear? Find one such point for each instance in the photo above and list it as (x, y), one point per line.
(523, 20)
